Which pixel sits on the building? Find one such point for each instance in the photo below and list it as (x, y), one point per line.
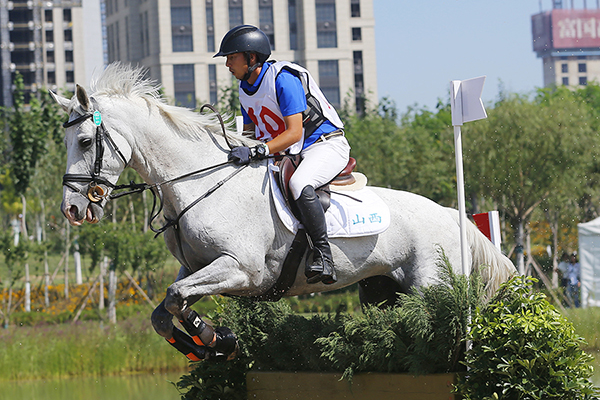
(176, 41)
(52, 44)
(568, 42)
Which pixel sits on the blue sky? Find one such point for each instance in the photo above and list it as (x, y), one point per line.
(422, 45)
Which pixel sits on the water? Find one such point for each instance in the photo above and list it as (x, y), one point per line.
(130, 387)
(126, 387)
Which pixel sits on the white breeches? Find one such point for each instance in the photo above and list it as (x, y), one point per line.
(321, 162)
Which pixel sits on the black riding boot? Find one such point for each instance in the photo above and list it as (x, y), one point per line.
(313, 218)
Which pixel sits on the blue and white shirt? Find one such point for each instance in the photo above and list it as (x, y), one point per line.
(278, 93)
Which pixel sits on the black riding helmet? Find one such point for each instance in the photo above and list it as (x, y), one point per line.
(246, 39)
(243, 39)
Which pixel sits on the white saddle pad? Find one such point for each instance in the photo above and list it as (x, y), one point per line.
(346, 216)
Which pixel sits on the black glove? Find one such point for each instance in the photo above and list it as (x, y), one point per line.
(242, 155)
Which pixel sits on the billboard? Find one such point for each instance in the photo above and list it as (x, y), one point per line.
(566, 29)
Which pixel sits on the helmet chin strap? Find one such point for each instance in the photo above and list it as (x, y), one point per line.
(250, 68)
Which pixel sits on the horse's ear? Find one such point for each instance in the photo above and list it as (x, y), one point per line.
(83, 98)
(62, 101)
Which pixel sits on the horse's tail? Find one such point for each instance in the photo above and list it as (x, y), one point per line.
(495, 268)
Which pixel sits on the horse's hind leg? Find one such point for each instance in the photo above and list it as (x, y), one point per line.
(381, 291)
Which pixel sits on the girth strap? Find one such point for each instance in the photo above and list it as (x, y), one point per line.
(289, 269)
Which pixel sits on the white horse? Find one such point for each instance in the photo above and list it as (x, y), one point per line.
(232, 241)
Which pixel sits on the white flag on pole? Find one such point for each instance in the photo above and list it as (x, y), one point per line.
(465, 101)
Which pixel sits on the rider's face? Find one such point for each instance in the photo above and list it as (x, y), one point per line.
(237, 65)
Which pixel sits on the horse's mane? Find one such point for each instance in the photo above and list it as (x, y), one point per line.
(120, 79)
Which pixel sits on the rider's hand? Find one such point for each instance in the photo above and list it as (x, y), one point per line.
(242, 155)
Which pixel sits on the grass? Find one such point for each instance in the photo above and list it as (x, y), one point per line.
(587, 324)
(42, 345)
(89, 348)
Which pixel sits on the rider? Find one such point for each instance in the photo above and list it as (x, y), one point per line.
(287, 111)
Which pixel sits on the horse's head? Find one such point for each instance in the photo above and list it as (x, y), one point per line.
(95, 158)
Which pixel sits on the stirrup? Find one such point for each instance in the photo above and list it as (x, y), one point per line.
(320, 270)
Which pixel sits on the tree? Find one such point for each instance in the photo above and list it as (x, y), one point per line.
(527, 151)
(229, 100)
(138, 251)
(30, 128)
(27, 136)
(430, 169)
(14, 255)
(415, 155)
(376, 141)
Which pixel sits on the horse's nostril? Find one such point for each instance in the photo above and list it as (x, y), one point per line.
(73, 212)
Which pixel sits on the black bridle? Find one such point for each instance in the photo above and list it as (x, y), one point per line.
(95, 192)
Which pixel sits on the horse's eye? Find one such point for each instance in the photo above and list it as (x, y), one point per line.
(85, 142)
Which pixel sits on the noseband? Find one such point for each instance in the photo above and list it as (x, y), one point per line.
(95, 192)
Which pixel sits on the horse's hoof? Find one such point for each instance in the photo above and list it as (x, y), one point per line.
(226, 344)
(235, 353)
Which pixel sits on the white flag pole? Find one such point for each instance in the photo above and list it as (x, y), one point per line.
(466, 105)
(460, 188)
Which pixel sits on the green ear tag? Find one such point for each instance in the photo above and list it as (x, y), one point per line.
(97, 118)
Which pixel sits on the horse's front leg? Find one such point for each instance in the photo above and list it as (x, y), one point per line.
(222, 275)
(162, 322)
(215, 278)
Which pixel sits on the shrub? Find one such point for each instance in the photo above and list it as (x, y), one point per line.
(423, 334)
(523, 348)
(215, 380)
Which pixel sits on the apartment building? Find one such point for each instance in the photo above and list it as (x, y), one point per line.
(177, 39)
(52, 44)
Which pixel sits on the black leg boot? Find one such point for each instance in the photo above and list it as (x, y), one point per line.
(313, 218)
